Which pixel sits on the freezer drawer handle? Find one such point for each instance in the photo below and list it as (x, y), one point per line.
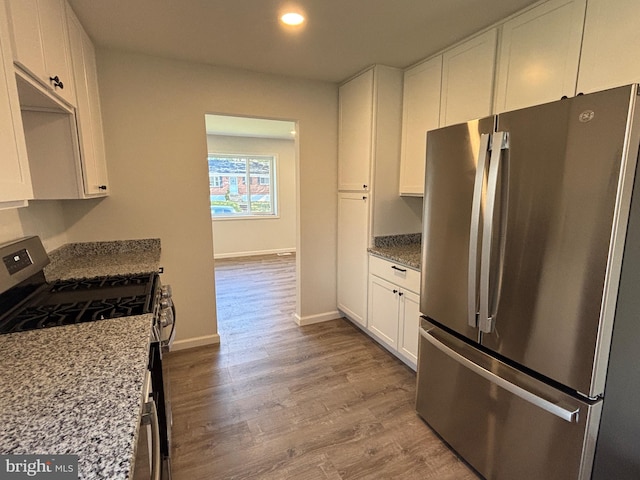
(567, 415)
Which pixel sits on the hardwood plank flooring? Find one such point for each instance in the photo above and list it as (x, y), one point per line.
(276, 401)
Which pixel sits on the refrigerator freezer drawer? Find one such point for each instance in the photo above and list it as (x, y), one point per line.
(504, 423)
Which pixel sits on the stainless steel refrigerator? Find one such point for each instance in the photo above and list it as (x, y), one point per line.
(525, 249)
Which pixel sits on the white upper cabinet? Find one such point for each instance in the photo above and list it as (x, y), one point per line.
(15, 178)
(539, 55)
(610, 45)
(41, 44)
(356, 133)
(467, 79)
(420, 113)
(89, 116)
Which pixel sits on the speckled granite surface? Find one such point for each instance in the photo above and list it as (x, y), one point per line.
(76, 390)
(97, 259)
(404, 249)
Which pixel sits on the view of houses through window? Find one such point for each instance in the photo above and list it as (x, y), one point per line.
(242, 185)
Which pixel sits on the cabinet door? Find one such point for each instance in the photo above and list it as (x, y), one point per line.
(15, 178)
(89, 115)
(539, 55)
(353, 239)
(421, 112)
(55, 42)
(40, 43)
(384, 302)
(610, 45)
(27, 37)
(355, 133)
(467, 79)
(409, 324)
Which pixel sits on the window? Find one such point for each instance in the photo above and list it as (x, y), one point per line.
(242, 185)
(215, 180)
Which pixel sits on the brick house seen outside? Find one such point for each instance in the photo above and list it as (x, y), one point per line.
(241, 185)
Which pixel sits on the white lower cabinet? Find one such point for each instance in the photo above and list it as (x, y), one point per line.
(393, 313)
(384, 306)
(409, 325)
(353, 235)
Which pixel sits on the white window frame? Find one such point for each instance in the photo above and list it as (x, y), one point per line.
(273, 183)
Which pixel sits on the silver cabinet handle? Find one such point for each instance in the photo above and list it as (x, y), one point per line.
(478, 188)
(568, 415)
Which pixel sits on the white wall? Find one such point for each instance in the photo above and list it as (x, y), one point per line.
(153, 111)
(237, 237)
(43, 218)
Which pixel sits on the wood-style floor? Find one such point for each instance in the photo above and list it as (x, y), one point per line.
(278, 401)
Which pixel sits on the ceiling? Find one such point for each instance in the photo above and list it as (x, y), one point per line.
(339, 38)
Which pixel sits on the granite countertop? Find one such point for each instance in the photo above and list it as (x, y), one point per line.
(98, 259)
(403, 249)
(76, 390)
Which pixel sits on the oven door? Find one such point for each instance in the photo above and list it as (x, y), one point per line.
(161, 396)
(147, 464)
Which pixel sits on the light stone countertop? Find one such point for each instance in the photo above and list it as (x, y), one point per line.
(98, 259)
(403, 249)
(76, 390)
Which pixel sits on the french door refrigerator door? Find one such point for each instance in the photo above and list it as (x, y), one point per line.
(505, 424)
(566, 181)
(450, 175)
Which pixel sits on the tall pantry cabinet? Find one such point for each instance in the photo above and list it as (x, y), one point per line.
(370, 107)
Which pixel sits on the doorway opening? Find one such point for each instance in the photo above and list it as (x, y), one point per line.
(252, 166)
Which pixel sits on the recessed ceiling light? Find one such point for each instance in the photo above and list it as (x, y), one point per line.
(292, 18)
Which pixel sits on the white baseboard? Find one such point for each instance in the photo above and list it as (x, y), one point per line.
(320, 317)
(254, 253)
(195, 342)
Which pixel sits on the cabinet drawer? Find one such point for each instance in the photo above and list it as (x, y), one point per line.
(397, 273)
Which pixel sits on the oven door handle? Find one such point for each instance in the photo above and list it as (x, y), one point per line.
(150, 417)
(166, 344)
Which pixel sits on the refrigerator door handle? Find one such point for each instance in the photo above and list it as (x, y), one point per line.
(474, 234)
(567, 414)
(485, 321)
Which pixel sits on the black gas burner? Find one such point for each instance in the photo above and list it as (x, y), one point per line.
(53, 315)
(67, 302)
(101, 282)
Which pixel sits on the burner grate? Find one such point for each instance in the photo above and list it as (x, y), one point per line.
(43, 316)
(101, 282)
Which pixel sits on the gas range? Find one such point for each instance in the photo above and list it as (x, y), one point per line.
(29, 302)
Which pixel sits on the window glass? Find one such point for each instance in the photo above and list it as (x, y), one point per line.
(242, 185)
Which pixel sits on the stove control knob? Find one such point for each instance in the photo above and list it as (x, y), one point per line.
(165, 291)
(166, 319)
(166, 303)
